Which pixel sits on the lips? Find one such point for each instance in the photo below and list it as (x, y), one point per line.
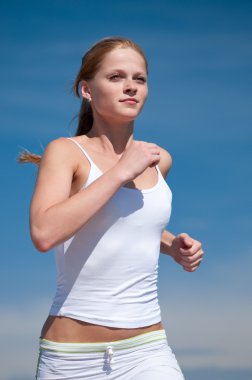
(129, 100)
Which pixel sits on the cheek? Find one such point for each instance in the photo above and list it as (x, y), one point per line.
(146, 92)
(104, 101)
(105, 95)
(144, 95)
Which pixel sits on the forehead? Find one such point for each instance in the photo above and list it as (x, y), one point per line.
(123, 58)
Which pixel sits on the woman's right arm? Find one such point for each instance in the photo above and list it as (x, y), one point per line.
(55, 216)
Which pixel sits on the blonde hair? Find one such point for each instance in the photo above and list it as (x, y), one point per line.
(90, 64)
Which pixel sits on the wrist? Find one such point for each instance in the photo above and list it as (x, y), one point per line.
(171, 247)
(167, 243)
(118, 176)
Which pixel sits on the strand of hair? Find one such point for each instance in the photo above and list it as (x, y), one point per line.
(28, 157)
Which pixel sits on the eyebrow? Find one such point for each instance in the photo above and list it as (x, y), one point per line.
(123, 71)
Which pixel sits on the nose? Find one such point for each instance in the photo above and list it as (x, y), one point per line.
(130, 87)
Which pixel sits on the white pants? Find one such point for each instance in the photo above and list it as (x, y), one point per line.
(144, 357)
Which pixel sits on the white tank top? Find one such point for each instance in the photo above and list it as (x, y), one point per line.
(107, 271)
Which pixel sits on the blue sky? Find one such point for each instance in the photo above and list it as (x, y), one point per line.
(199, 109)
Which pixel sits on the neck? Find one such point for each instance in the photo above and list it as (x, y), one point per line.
(112, 136)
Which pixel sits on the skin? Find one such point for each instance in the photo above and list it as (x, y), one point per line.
(63, 170)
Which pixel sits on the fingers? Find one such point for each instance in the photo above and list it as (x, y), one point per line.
(191, 262)
(191, 255)
(152, 145)
(196, 247)
(155, 153)
(151, 149)
(191, 267)
(146, 144)
(138, 156)
(154, 149)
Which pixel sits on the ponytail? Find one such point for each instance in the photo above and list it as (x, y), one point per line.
(85, 118)
(26, 157)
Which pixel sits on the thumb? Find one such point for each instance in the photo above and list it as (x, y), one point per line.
(187, 241)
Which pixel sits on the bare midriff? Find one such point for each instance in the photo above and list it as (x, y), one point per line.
(68, 330)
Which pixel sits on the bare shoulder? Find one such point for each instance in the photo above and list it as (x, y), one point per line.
(60, 146)
(165, 162)
(57, 168)
(59, 151)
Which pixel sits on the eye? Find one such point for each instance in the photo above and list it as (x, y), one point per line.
(115, 77)
(141, 79)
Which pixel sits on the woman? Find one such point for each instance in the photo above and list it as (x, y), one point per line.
(102, 202)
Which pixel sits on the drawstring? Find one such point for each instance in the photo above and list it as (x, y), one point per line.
(109, 354)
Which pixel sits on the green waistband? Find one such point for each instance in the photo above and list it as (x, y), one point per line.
(122, 344)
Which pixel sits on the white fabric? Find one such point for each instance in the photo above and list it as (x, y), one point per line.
(144, 357)
(107, 271)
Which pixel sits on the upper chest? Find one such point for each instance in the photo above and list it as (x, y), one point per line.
(145, 180)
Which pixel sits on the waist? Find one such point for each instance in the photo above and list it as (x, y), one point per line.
(65, 329)
(152, 337)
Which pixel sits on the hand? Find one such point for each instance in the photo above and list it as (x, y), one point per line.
(187, 252)
(137, 157)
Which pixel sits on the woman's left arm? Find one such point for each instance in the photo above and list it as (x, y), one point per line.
(185, 250)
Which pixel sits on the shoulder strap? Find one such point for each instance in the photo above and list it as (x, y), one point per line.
(83, 151)
(158, 170)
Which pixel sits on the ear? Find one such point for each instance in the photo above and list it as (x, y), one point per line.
(85, 91)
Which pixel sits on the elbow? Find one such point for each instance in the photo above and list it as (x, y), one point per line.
(40, 240)
(41, 246)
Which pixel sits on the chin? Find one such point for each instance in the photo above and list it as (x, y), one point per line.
(128, 118)
(130, 113)
(125, 116)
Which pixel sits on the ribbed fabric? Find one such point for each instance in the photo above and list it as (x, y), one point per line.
(107, 271)
(122, 344)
